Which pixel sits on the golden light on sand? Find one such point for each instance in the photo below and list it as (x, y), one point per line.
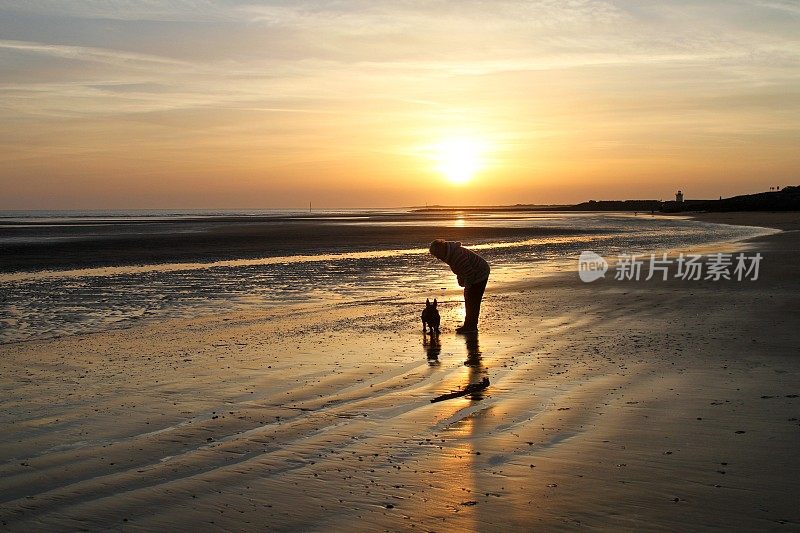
(459, 158)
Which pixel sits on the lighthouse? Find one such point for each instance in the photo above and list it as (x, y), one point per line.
(679, 197)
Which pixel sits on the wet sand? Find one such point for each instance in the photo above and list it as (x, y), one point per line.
(783, 220)
(618, 405)
(74, 245)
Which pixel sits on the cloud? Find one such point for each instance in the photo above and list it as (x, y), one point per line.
(289, 80)
(83, 53)
(134, 10)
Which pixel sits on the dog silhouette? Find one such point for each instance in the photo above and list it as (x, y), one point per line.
(430, 316)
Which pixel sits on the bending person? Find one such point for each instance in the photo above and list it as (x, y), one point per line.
(472, 272)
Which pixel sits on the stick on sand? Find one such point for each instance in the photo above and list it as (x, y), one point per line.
(469, 389)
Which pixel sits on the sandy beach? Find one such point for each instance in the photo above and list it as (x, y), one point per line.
(638, 405)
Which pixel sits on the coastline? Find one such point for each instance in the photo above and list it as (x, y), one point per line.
(782, 220)
(635, 405)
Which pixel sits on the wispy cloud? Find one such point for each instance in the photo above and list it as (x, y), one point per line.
(84, 53)
(133, 10)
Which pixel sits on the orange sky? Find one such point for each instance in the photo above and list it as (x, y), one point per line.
(181, 104)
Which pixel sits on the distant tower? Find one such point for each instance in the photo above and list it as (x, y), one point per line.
(679, 197)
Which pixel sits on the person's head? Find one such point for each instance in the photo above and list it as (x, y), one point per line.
(438, 249)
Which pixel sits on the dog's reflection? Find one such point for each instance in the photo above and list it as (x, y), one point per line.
(433, 347)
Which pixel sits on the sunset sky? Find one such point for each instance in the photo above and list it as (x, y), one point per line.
(358, 103)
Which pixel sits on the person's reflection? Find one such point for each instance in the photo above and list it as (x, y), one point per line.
(433, 347)
(474, 362)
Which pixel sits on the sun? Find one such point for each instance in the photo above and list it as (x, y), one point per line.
(459, 159)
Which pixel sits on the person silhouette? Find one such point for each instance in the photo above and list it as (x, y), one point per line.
(472, 272)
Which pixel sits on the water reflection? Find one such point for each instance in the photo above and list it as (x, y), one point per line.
(433, 347)
(474, 363)
(41, 304)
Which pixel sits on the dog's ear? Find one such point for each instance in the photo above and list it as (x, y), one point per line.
(427, 302)
(434, 302)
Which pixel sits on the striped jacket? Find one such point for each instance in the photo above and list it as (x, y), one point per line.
(469, 267)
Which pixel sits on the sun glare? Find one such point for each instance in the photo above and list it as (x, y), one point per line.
(459, 159)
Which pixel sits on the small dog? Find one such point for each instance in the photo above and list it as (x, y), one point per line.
(430, 316)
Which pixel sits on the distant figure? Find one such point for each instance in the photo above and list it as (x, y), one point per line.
(472, 271)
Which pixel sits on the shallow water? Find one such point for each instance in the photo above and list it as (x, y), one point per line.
(37, 303)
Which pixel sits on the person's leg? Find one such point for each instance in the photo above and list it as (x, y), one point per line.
(477, 296)
(469, 307)
(473, 294)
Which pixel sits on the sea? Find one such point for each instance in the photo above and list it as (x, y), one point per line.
(75, 272)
